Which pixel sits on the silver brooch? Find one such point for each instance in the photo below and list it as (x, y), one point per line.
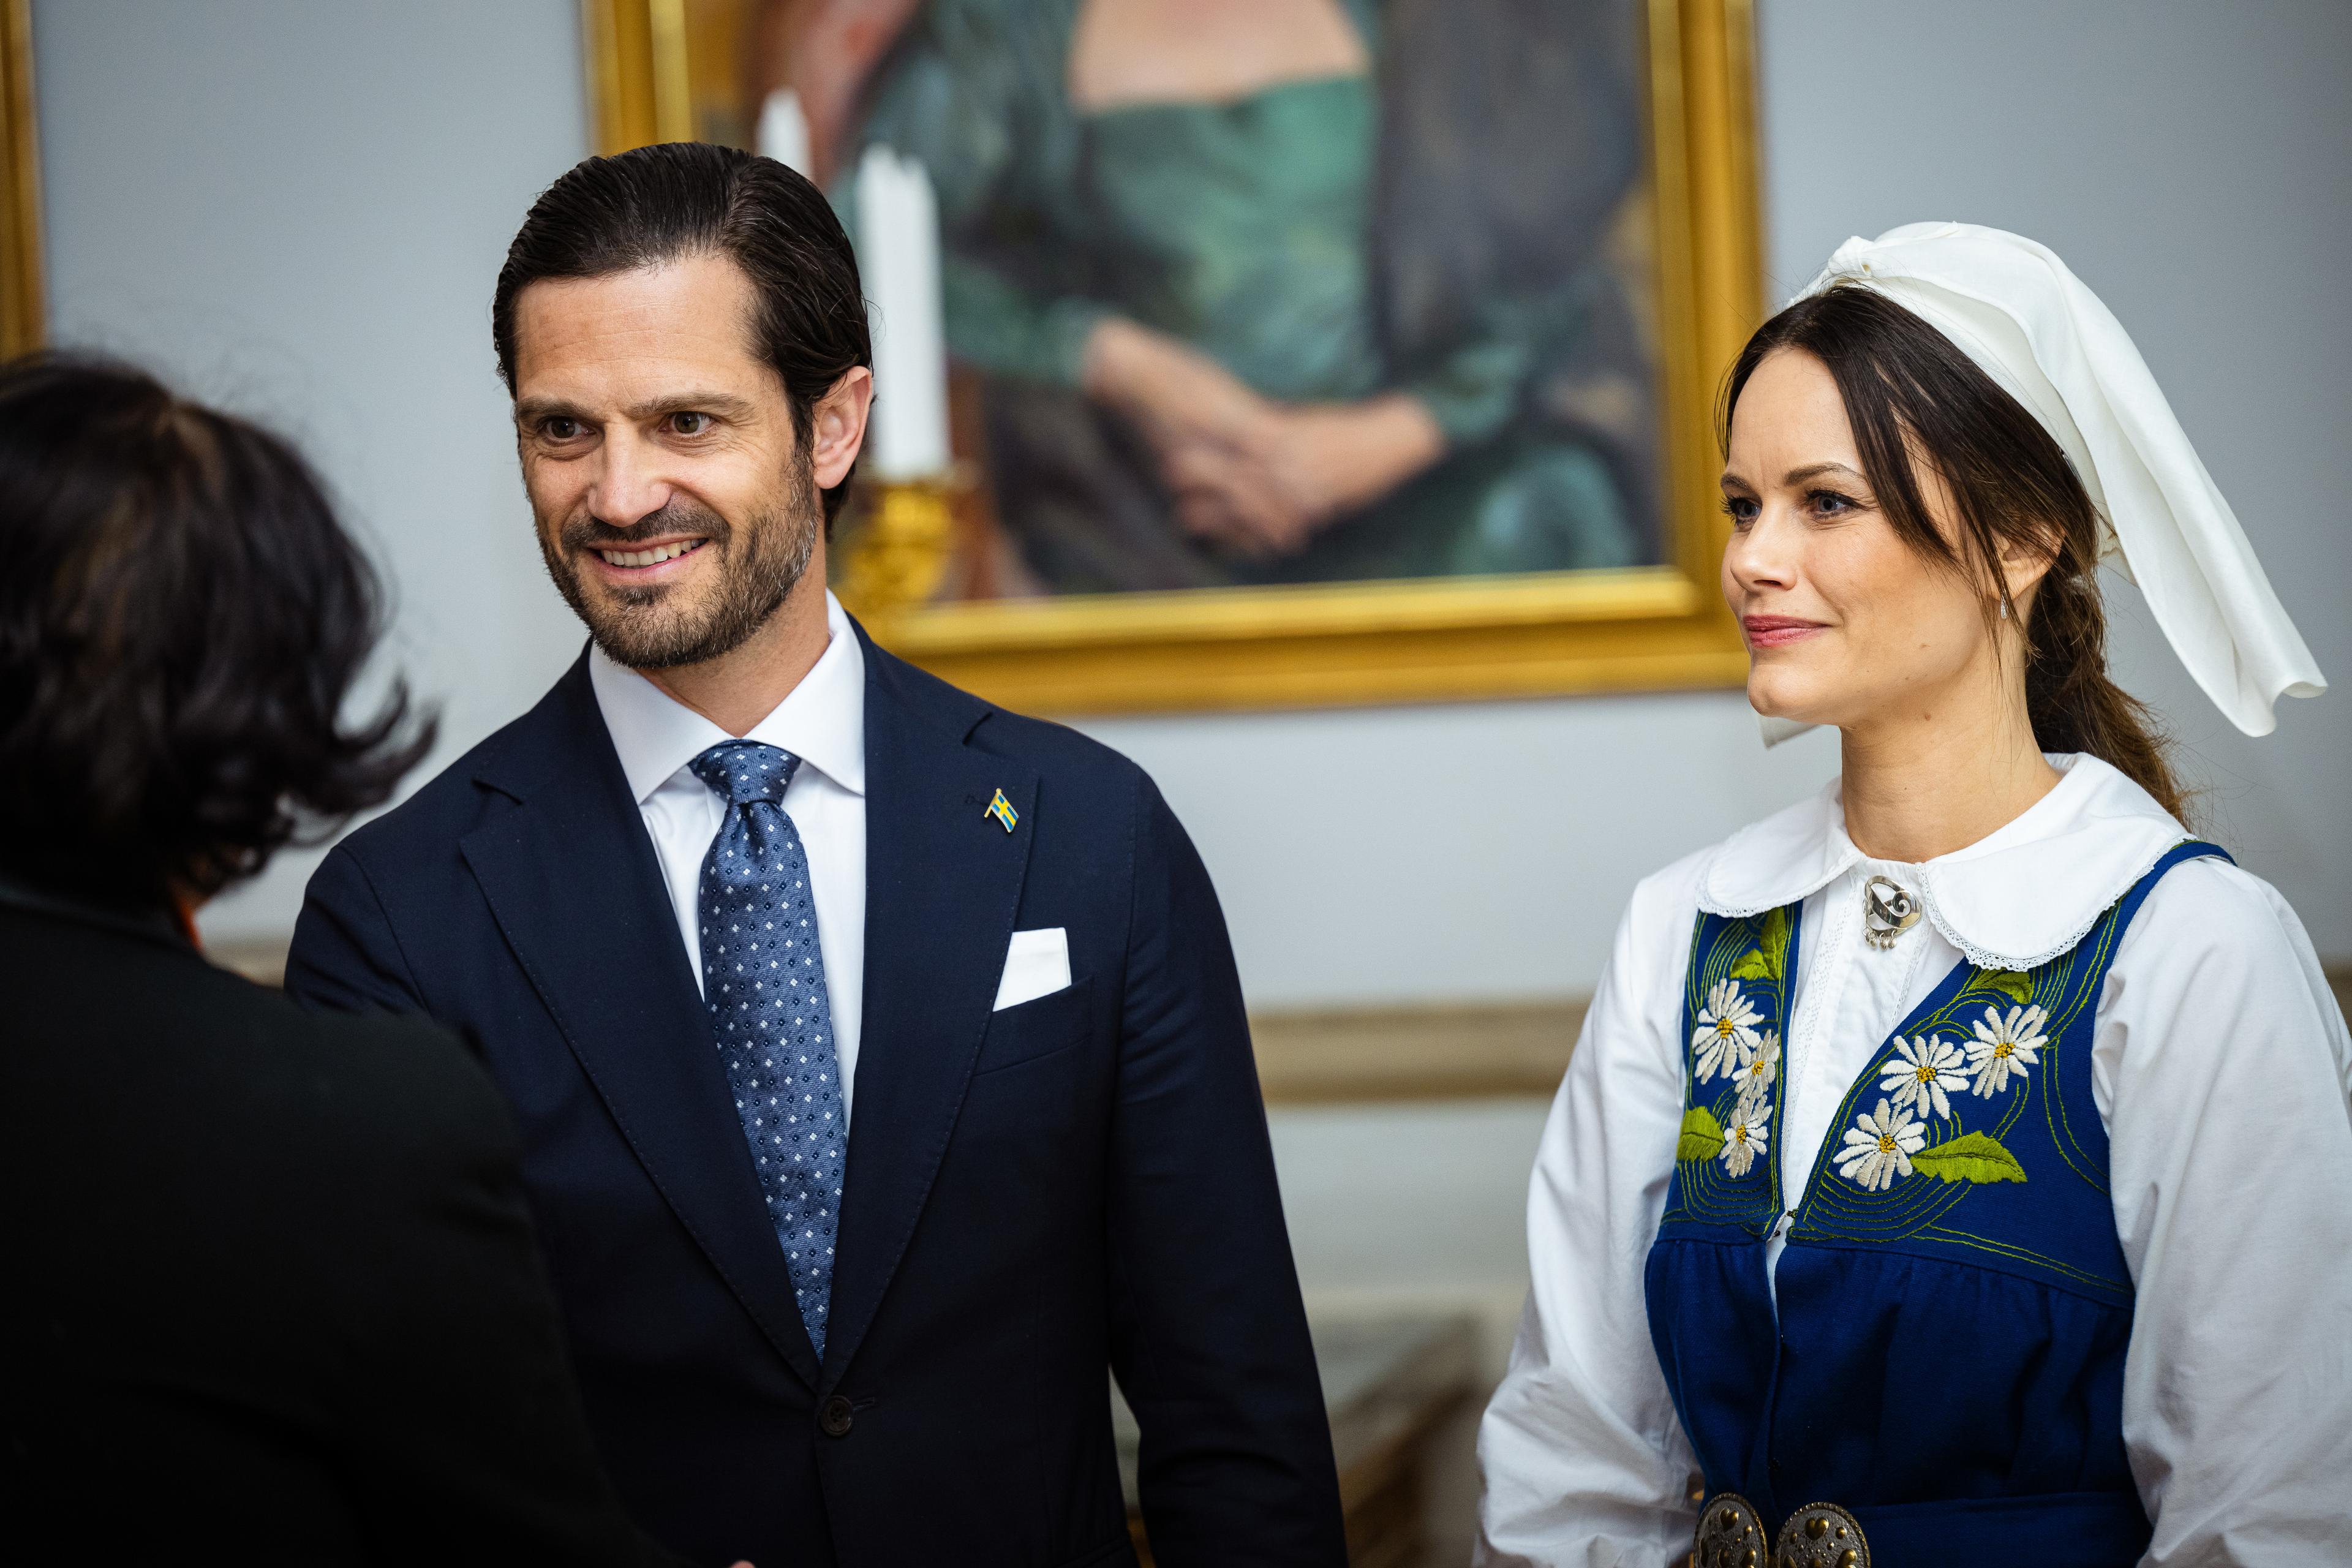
(1888, 910)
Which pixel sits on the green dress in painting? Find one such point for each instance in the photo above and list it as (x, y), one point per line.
(1264, 232)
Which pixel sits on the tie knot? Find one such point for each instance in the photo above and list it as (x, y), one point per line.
(746, 771)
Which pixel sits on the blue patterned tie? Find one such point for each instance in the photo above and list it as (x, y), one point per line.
(763, 981)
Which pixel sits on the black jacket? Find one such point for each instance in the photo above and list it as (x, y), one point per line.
(1033, 1197)
(270, 1292)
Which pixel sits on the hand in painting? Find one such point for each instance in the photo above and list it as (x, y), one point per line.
(1177, 397)
(1255, 476)
(1326, 459)
(1197, 416)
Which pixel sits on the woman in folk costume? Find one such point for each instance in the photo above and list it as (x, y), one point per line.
(1956, 1167)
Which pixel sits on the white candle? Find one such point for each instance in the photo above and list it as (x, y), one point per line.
(783, 130)
(899, 253)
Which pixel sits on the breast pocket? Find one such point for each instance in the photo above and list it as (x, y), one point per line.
(1034, 1030)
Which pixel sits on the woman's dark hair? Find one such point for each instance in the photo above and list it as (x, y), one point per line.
(678, 199)
(1912, 397)
(180, 620)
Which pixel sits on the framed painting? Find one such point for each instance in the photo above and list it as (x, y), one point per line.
(1296, 351)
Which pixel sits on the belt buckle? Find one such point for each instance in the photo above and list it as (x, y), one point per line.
(1821, 1535)
(1730, 1534)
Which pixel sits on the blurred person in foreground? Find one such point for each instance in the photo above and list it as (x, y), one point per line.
(273, 1295)
(1953, 1167)
(880, 1060)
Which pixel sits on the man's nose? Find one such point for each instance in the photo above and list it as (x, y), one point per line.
(629, 484)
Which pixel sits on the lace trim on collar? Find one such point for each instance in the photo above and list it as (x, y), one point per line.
(1985, 957)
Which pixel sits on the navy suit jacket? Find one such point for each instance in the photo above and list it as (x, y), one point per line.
(1078, 1183)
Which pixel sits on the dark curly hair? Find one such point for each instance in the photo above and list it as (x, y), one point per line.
(180, 620)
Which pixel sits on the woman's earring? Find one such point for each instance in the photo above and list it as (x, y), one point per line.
(2004, 609)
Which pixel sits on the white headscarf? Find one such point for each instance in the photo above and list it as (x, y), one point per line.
(2013, 308)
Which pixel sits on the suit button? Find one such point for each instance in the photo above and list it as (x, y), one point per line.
(834, 1420)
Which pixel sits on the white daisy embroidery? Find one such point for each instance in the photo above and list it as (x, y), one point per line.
(1725, 1037)
(1925, 1068)
(2006, 1045)
(1880, 1147)
(1756, 1078)
(1743, 1140)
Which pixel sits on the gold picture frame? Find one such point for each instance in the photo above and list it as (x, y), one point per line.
(657, 67)
(24, 311)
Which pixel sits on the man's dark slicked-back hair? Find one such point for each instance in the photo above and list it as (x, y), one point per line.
(681, 199)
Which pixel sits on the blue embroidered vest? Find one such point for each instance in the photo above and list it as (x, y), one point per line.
(1947, 1358)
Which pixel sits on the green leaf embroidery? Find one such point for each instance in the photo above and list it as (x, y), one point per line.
(1970, 1157)
(1701, 1136)
(1776, 943)
(2017, 987)
(1769, 959)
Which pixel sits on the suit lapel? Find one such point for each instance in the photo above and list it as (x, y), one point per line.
(943, 887)
(572, 880)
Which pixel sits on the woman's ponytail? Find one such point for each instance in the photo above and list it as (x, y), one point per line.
(2074, 705)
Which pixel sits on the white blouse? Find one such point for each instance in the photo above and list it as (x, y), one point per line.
(2221, 1066)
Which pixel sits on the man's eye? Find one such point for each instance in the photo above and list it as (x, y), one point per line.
(689, 424)
(561, 429)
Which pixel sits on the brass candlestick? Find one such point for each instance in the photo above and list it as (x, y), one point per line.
(896, 554)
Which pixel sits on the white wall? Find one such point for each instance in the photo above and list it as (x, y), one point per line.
(297, 209)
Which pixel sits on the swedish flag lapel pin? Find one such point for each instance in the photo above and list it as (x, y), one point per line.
(1002, 809)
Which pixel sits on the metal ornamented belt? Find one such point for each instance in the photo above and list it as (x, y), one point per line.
(1817, 1535)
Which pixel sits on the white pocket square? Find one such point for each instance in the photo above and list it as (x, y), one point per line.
(1036, 965)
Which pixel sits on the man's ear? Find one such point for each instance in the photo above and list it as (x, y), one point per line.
(837, 425)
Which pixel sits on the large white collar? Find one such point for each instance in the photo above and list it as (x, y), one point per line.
(822, 721)
(2014, 900)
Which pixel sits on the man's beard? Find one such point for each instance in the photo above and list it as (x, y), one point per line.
(647, 628)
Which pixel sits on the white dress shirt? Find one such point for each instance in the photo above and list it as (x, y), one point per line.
(2220, 1065)
(823, 723)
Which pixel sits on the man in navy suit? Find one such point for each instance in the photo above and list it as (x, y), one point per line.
(878, 1055)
